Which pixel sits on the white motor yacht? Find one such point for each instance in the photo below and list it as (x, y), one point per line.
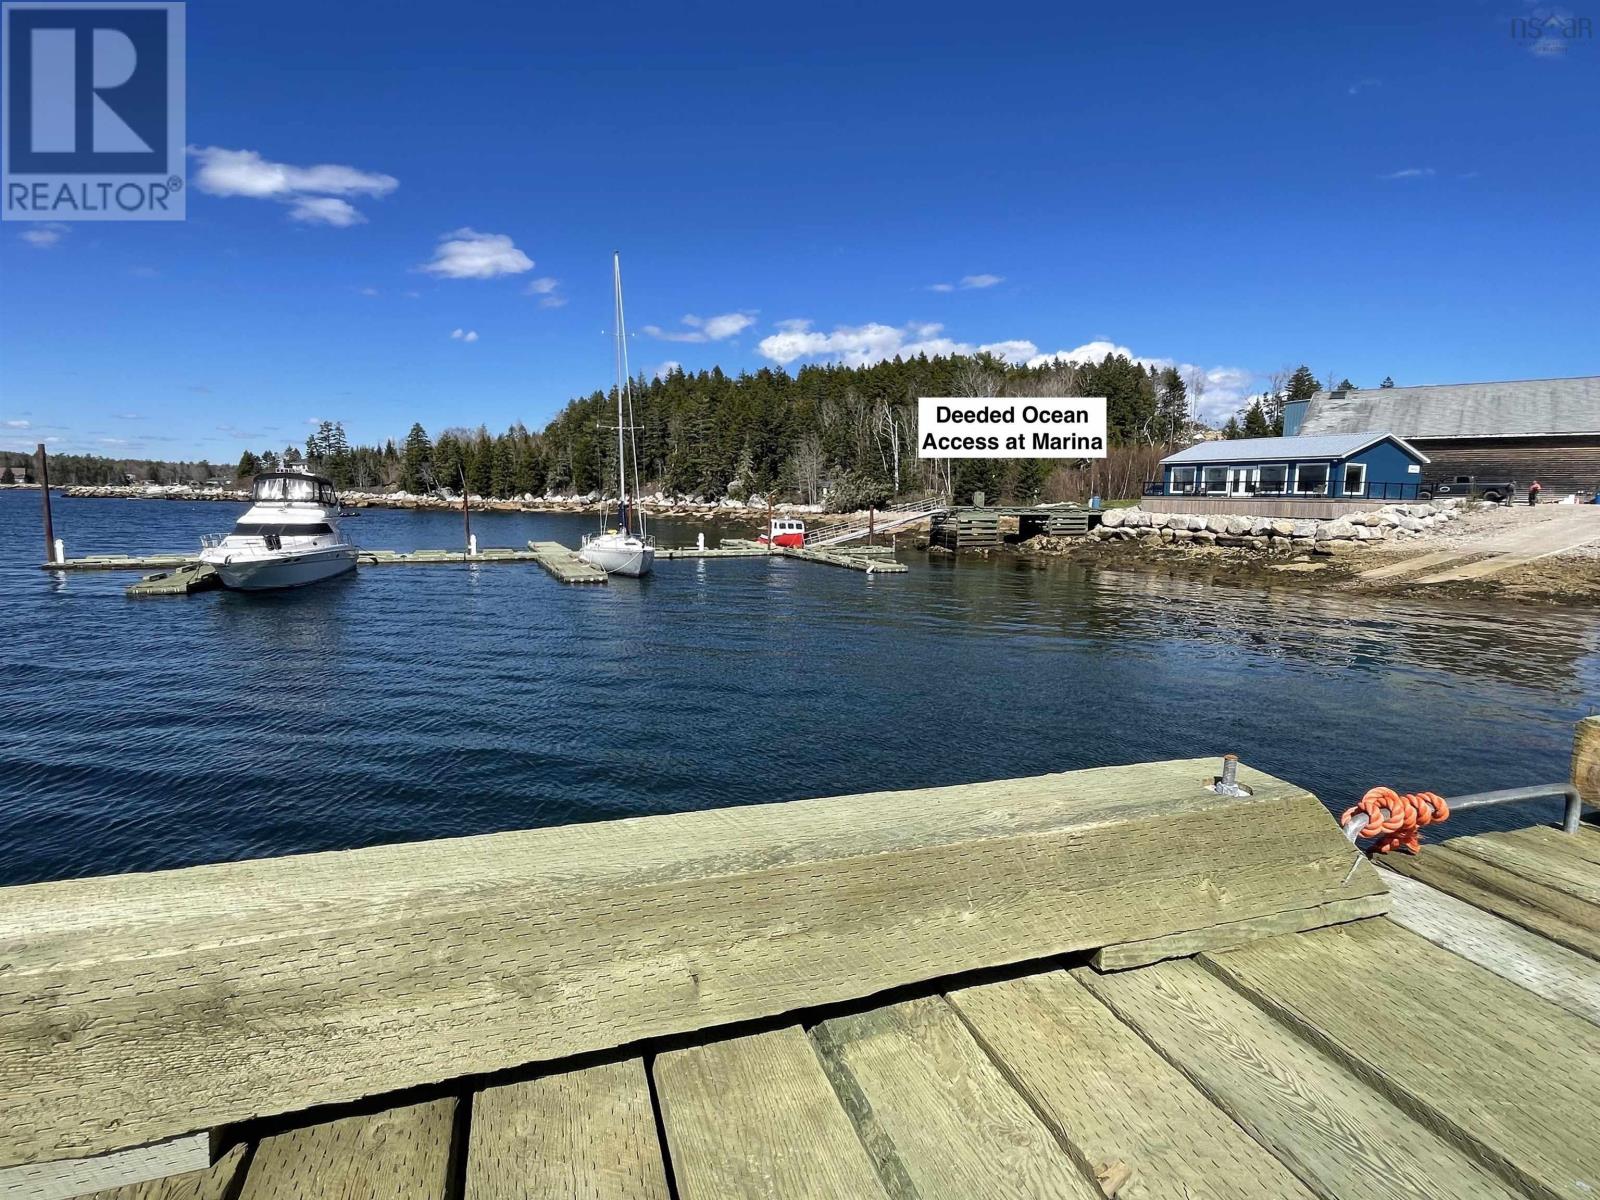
(290, 536)
(622, 551)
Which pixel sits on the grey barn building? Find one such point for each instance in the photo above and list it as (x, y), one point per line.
(1544, 429)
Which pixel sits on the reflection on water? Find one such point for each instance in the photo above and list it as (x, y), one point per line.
(413, 702)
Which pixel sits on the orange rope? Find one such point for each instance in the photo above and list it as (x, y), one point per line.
(1395, 819)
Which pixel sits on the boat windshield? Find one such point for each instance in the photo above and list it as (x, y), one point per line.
(302, 488)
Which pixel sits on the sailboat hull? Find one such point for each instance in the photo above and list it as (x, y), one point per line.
(618, 555)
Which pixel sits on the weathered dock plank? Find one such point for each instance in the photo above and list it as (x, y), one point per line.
(1538, 863)
(579, 1135)
(215, 1182)
(397, 1154)
(1341, 1137)
(1561, 976)
(120, 562)
(106, 1172)
(938, 1118)
(142, 1007)
(1507, 1076)
(754, 1118)
(563, 562)
(1553, 914)
(1189, 942)
(1113, 1099)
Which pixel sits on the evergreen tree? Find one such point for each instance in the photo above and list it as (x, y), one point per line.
(1256, 424)
(417, 462)
(249, 465)
(1388, 382)
(6, 477)
(1345, 385)
(1172, 405)
(1232, 430)
(1302, 385)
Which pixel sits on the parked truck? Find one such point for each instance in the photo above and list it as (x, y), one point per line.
(1471, 487)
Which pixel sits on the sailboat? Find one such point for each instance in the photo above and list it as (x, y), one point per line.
(619, 550)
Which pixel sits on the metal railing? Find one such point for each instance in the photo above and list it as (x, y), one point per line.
(884, 520)
(1569, 820)
(1272, 491)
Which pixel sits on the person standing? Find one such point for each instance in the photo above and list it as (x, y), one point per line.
(1533, 492)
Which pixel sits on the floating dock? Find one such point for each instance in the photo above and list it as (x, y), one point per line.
(1111, 982)
(563, 562)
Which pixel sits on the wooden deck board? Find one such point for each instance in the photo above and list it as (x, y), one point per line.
(1539, 862)
(1190, 942)
(142, 1007)
(215, 1182)
(939, 1119)
(1552, 914)
(398, 1154)
(1506, 1075)
(1343, 1139)
(1561, 976)
(754, 1118)
(579, 1135)
(1113, 1099)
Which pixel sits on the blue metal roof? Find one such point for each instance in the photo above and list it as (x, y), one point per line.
(1285, 449)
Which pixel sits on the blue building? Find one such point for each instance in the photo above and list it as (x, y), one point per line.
(1352, 466)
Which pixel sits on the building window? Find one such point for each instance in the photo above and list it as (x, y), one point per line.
(1182, 481)
(1215, 481)
(1311, 479)
(1355, 479)
(1274, 480)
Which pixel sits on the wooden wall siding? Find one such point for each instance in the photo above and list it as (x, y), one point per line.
(142, 1007)
(1561, 465)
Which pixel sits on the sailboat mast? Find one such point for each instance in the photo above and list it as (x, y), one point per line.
(622, 469)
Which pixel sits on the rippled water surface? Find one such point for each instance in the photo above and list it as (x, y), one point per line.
(415, 702)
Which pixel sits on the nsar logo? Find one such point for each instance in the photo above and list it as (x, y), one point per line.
(91, 112)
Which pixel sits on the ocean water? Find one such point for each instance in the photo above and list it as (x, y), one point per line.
(416, 702)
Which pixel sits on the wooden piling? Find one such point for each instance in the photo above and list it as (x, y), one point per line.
(44, 495)
(1586, 760)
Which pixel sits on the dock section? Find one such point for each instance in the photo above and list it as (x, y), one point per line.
(563, 562)
(700, 998)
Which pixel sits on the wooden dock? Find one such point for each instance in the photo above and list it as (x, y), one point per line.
(891, 996)
(563, 562)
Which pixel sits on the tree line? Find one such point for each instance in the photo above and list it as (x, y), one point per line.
(844, 433)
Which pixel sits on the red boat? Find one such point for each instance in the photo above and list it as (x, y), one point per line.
(785, 531)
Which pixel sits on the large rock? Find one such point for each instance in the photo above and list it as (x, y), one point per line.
(1304, 529)
(1282, 527)
(1197, 523)
(1238, 526)
(1338, 530)
(1217, 523)
(1113, 518)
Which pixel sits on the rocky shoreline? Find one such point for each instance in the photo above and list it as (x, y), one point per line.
(1329, 536)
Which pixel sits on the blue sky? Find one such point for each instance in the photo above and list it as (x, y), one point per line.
(405, 212)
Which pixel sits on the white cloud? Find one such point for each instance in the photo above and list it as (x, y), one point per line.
(545, 288)
(704, 329)
(325, 210)
(857, 345)
(667, 368)
(1090, 352)
(1410, 173)
(369, 291)
(314, 194)
(465, 335)
(45, 235)
(1362, 85)
(17, 424)
(968, 283)
(468, 254)
(1014, 350)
